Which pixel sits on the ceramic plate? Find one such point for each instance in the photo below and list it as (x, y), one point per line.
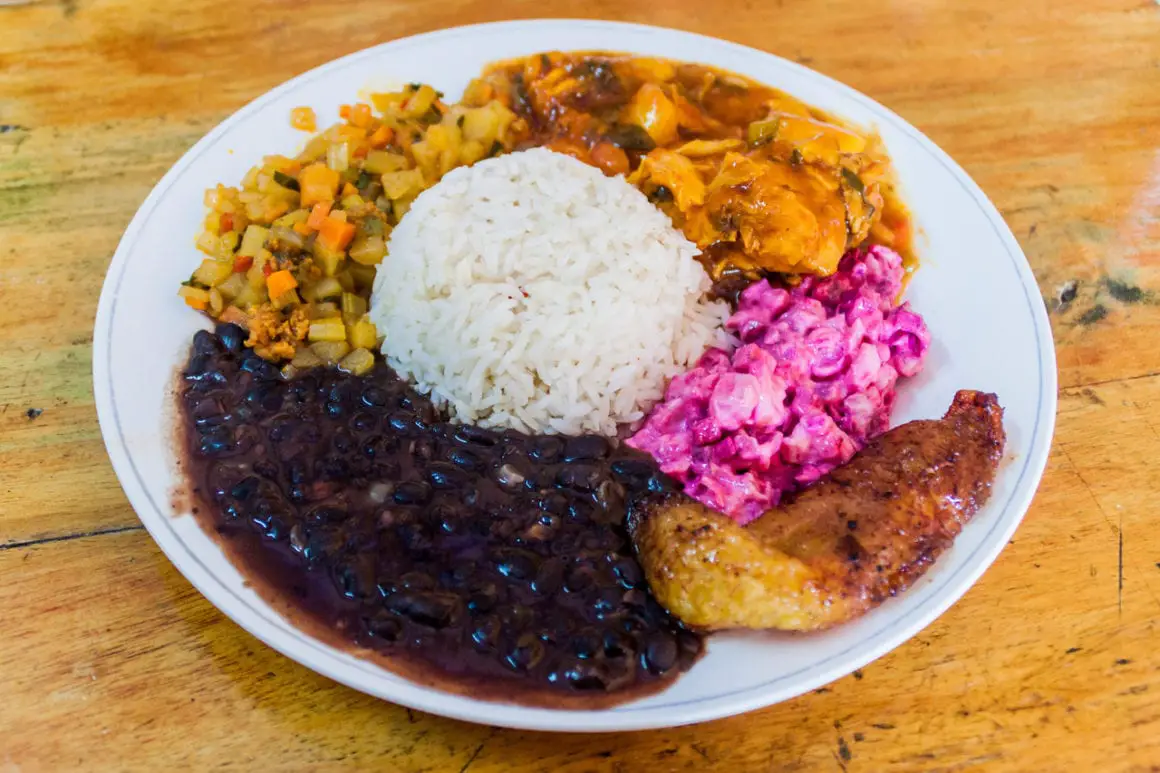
(974, 287)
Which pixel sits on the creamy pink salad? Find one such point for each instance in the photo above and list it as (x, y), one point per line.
(811, 381)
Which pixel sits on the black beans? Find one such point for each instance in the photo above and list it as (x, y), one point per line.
(412, 492)
(434, 610)
(585, 447)
(447, 476)
(516, 565)
(261, 369)
(660, 653)
(487, 554)
(375, 397)
(465, 458)
(628, 572)
(580, 476)
(526, 653)
(205, 343)
(476, 436)
(231, 337)
(546, 448)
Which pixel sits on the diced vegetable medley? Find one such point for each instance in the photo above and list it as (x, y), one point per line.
(291, 252)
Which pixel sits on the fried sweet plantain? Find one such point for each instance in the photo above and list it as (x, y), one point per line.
(835, 550)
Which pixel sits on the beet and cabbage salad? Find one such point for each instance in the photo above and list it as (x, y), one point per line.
(524, 395)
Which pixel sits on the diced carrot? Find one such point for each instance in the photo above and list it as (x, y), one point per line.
(243, 263)
(611, 159)
(317, 182)
(303, 118)
(318, 215)
(349, 190)
(344, 112)
(360, 114)
(280, 282)
(293, 168)
(360, 152)
(335, 234)
(267, 269)
(196, 303)
(303, 228)
(382, 137)
(226, 222)
(569, 147)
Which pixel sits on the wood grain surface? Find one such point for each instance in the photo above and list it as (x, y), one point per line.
(109, 660)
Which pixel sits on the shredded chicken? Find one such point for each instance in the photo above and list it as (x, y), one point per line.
(758, 180)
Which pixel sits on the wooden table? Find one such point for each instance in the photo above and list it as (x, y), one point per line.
(109, 660)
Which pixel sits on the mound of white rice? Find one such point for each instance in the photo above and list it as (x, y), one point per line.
(530, 291)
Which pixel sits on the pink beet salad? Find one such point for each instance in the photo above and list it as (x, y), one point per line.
(811, 381)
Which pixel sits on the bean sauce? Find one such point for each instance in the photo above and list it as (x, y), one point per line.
(491, 562)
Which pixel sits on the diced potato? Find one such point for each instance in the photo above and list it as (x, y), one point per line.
(330, 352)
(328, 260)
(354, 304)
(327, 287)
(208, 243)
(363, 334)
(233, 286)
(327, 330)
(253, 240)
(291, 219)
(381, 161)
(358, 362)
(363, 276)
(478, 92)
(227, 243)
(306, 358)
(255, 277)
(212, 272)
(216, 302)
(403, 184)
(195, 297)
(368, 250)
(315, 149)
(387, 102)
(472, 151)
(338, 157)
(324, 310)
(402, 206)
(427, 159)
(419, 102)
(482, 123)
(346, 280)
(250, 297)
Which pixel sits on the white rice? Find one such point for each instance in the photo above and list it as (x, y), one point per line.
(530, 291)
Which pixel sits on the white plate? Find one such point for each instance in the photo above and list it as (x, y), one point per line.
(974, 287)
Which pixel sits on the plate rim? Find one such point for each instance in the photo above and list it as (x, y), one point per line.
(866, 650)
